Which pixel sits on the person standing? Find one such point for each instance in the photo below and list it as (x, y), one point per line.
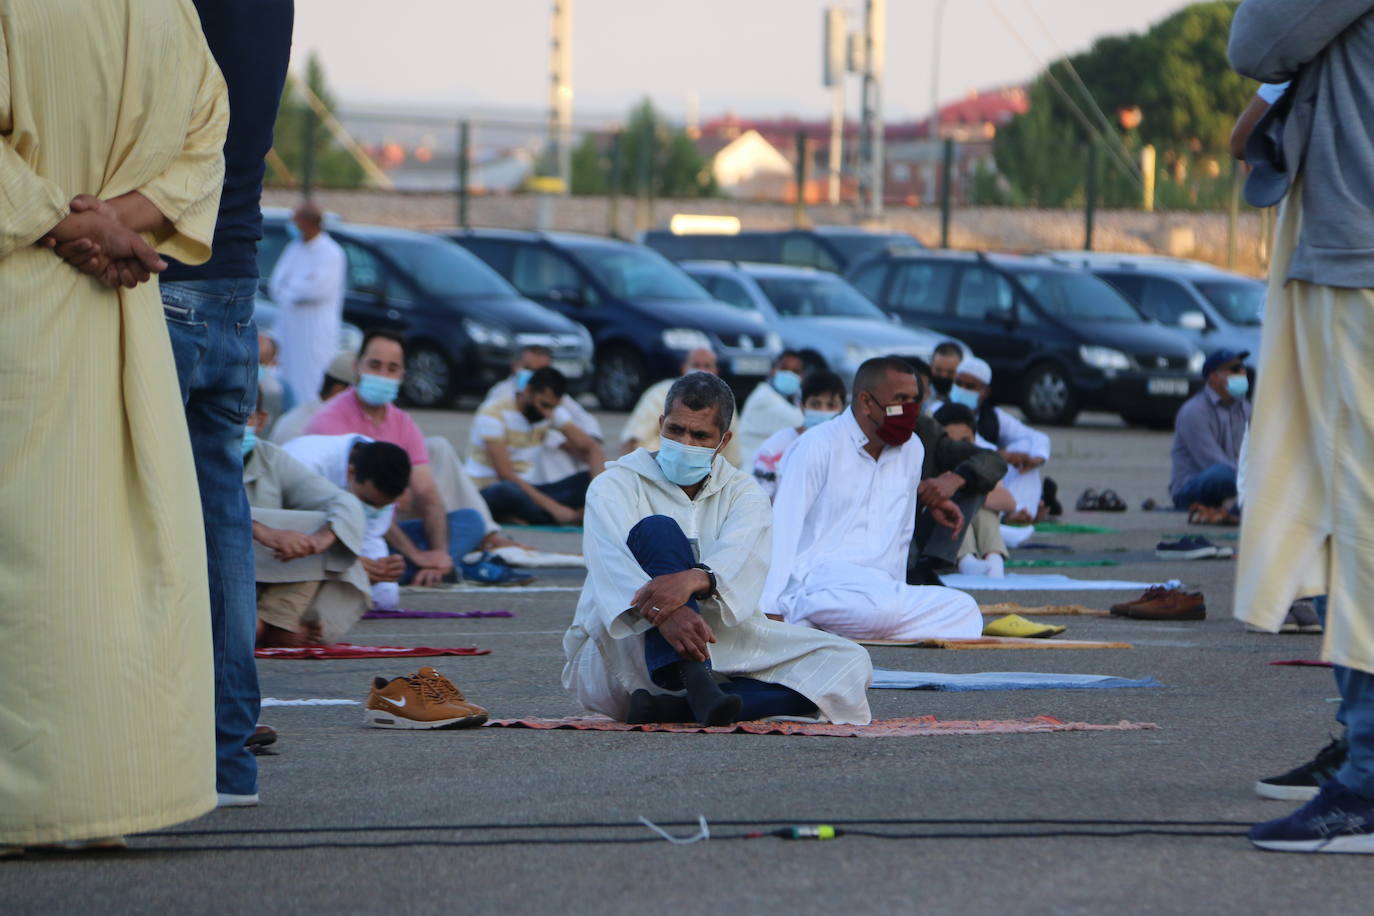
(98, 591)
(308, 284)
(209, 312)
(1309, 487)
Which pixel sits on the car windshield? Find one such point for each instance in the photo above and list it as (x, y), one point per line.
(444, 270)
(638, 273)
(1239, 301)
(1076, 296)
(855, 246)
(808, 297)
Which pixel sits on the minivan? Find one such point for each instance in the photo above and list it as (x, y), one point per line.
(832, 248)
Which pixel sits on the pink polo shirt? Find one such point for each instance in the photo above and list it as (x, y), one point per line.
(343, 415)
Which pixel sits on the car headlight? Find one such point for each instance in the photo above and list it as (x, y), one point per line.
(486, 335)
(1104, 358)
(685, 339)
(1195, 362)
(855, 355)
(773, 342)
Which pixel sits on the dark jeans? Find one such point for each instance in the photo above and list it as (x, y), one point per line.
(466, 529)
(508, 502)
(1211, 487)
(662, 549)
(215, 344)
(1356, 713)
(934, 541)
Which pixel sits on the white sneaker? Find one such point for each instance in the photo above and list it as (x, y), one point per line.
(226, 800)
(996, 566)
(972, 566)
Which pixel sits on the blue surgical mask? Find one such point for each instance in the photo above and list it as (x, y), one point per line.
(377, 390)
(262, 373)
(371, 512)
(522, 378)
(963, 396)
(293, 232)
(250, 440)
(1238, 385)
(812, 418)
(787, 383)
(684, 465)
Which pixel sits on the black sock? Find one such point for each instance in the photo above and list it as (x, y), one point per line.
(709, 705)
(646, 708)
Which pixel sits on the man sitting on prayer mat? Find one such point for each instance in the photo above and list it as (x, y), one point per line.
(668, 628)
(557, 459)
(845, 513)
(772, 405)
(983, 551)
(641, 429)
(308, 537)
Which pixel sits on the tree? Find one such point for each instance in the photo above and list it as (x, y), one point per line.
(1176, 73)
(652, 155)
(333, 166)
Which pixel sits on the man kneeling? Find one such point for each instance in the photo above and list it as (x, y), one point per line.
(669, 628)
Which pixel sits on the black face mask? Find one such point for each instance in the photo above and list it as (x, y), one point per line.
(941, 385)
(533, 414)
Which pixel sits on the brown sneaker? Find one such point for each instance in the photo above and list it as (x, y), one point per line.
(1172, 605)
(1152, 594)
(425, 699)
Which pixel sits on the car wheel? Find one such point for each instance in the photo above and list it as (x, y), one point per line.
(429, 378)
(1048, 397)
(619, 378)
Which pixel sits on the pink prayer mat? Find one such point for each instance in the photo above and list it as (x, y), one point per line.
(1303, 663)
(407, 614)
(995, 642)
(348, 650)
(916, 726)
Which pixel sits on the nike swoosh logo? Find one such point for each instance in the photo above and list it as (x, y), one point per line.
(398, 703)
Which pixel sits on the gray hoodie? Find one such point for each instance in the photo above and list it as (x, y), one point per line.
(1327, 48)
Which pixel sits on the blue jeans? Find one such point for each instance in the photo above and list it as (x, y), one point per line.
(508, 502)
(660, 547)
(466, 529)
(1211, 487)
(1356, 713)
(215, 344)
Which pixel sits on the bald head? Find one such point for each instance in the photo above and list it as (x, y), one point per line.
(308, 219)
(702, 359)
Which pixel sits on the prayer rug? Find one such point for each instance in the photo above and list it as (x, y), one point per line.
(538, 559)
(556, 529)
(1039, 582)
(489, 589)
(994, 642)
(1303, 663)
(888, 679)
(272, 702)
(917, 726)
(1063, 528)
(1054, 564)
(348, 650)
(1046, 610)
(407, 614)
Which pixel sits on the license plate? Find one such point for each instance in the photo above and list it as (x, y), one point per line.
(752, 365)
(569, 367)
(1168, 387)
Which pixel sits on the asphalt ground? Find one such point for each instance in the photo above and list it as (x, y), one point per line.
(359, 820)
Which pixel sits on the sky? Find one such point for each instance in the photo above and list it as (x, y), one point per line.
(752, 57)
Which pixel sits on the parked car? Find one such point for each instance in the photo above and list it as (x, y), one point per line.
(463, 325)
(833, 248)
(1213, 307)
(644, 313)
(1059, 340)
(816, 313)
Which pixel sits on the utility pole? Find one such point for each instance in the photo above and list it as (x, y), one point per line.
(871, 140)
(833, 70)
(560, 92)
(935, 33)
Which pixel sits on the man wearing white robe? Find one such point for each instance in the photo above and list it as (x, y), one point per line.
(674, 572)
(1024, 449)
(308, 285)
(771, 406)
(641, 429)
(844, 515)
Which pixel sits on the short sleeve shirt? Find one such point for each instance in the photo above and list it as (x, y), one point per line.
(502, 420)
(344, 415)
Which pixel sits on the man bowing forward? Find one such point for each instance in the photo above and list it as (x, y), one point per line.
(668, 628)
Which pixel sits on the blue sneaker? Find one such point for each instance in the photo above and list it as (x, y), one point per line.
(492, 570)
(1337, 820)
(1192, 547)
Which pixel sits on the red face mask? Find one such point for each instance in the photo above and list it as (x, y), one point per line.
(899, 422)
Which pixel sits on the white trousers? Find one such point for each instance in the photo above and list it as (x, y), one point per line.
(863, 603)
(1026, 486)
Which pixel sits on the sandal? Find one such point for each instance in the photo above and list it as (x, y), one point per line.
(1109, 501)
(1088, 501)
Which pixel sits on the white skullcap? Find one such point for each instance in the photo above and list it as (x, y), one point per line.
(977, 368)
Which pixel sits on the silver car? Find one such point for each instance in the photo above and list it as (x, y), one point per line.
(815, 313)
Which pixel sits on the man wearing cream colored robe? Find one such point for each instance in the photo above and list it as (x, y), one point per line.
(102, 562)
(677, 551)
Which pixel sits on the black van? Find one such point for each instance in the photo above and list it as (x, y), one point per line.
(833, 248)
(644, 312)
(463, 325)
(1059, 340)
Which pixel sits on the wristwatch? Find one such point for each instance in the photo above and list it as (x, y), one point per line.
(711, 589)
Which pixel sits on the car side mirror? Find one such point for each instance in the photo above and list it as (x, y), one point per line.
(1192, 321)
(569, 294)
(1000, 316)
(375, 293)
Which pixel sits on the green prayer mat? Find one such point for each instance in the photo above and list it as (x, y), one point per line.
(1061, 528)
(1055, 564)
(557, 529)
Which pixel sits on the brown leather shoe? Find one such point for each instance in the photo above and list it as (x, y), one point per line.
(1173, 605)
(1152, 594)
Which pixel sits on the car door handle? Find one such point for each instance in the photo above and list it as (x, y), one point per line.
(393, 314)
